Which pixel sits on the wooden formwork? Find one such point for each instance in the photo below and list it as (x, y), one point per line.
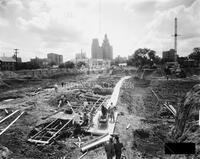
(46, 135)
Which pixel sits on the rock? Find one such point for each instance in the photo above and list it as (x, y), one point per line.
(4, 152)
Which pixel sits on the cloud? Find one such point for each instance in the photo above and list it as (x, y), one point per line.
(161, 29)
(53, 24)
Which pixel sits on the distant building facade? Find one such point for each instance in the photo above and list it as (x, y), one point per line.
(81, 57)
(99, 64)
(7, 64)
(102, 52)
(169, 55)
(41, 62)
(54, 58)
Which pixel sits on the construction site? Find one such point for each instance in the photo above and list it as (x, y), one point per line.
(40, 120)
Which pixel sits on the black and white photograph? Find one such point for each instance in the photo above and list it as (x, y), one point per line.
(99, 79)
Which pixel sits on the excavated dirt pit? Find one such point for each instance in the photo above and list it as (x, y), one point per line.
(40, 101)
(155, 121)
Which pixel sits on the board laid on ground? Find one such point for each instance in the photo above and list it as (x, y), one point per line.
(10, 119)
(48, 133)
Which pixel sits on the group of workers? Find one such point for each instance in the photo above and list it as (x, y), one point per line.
(114, 149)
(110, 111)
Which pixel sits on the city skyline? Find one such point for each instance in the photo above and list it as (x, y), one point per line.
(65, 27)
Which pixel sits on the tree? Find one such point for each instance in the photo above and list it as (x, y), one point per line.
(62, 65)
(80, 64)
(143, 57)
(195, 55)
(69, 64)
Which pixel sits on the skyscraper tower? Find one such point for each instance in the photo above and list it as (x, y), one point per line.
(107, 49)
(102, 52)
(96, 51)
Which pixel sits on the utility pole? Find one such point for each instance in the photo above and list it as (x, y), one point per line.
(175, 40)
(15, 54)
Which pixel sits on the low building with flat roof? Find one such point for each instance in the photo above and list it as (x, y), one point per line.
(7, 64)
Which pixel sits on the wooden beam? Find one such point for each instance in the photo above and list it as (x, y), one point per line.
(171, 109)
(11, 123)
(38, 141)
(83, 155)
(155, 95)
(8, 116)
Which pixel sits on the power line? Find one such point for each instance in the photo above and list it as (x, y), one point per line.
(175, 38)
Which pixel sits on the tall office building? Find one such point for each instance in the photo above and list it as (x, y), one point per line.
(96, 50)
(169, 55)
(55, 58)
(107, 49)
(102, 52)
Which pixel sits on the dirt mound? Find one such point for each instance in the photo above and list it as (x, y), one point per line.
(151, 141)
(70, 96)
(188, 111)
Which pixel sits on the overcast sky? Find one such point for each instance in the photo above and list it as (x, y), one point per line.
(37, 27)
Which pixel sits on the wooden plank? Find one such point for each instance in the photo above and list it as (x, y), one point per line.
(11, 123)
(171, 109)
(38, 141)
(155, 95)
(83, 155)
(59, 130)
(8, 116)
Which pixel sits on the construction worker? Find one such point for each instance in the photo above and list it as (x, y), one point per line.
(109, 149)
(112, 113)
(118, 148)
(104, 111)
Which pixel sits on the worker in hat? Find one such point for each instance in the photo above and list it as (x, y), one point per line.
(118, 146)
(109, 149)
